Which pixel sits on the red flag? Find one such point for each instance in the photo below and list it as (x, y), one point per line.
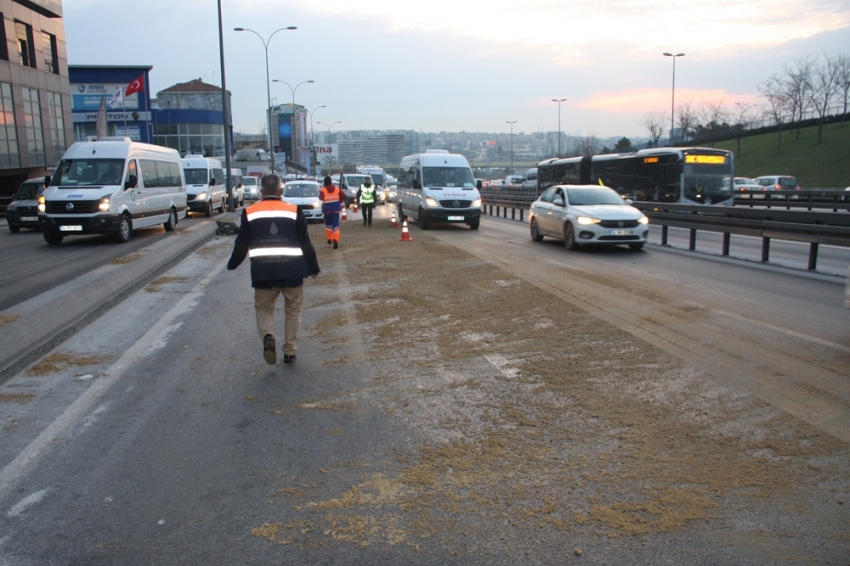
(136, 86)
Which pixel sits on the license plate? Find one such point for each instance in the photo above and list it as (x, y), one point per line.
(455, 218)
(29, 218)
(70, 228)
(620, 233)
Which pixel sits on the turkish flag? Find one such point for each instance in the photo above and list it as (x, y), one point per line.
(137, 85)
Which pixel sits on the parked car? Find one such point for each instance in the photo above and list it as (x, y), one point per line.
(778, 182)
(581, 215)
(305, 195)
(23, 211)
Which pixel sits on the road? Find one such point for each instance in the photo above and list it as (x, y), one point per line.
(463, 398)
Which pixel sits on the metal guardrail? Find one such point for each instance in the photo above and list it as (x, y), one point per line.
(814, 227)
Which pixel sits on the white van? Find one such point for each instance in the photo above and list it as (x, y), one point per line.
(238, 191)
(438, 186)
(112, 186)
(529, 183)
(205, 184)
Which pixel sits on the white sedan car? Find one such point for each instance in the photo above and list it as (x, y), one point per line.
(581, 215)
(305, 195)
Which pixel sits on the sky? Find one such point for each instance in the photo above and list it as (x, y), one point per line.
(463, 65)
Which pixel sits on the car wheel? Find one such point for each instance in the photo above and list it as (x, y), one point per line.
(125, 229)
(222, 206)
(53, 239)
(14, 229)
(569, 237)
(423, 221)
(171, 223)
(636, 247)
(535, 231)
(474, 225)
(208, 209)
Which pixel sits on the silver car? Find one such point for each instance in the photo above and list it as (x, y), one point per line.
(251, 188)
(581, 215)
(305, 195)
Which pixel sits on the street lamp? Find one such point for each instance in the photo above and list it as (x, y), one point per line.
(673, 97)
(329, 128)
(268, 84)
(312, 140)
(512, 144)
(559, 101)
(295, 154)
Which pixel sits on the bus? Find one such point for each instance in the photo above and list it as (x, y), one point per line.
(688, 175)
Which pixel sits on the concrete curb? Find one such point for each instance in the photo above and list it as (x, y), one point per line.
(39, 324)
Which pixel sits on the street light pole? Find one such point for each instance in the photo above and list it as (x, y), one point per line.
(329, 128)
(673, 96)
(559, 101)
(512, 144)
(268, 85)
(295, 153)
(313, 140)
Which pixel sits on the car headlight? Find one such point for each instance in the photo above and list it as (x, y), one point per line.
(476, 203)
(644, 220)
(42, 204)
(587, 221)
(103, 206)
(13, 206)
(201, 196)
(432, 202)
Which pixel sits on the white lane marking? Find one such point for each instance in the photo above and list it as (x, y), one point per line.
(501, 364)
(30, 456)
(27, 503)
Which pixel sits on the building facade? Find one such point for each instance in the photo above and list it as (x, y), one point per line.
(289, 124)
(34, 92)
(127, 115)
(189, 118)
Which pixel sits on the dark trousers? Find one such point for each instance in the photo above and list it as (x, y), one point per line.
(367, 213)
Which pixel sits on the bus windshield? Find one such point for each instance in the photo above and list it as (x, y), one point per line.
(88, 173)
(447, 177)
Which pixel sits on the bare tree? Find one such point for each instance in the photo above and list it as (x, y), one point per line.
(712, 116)
(654, 121)
(798, 87)
(742, 118)
(843, 64)
(687, 118)
(586, 146)
(825, 85)
(778, 104)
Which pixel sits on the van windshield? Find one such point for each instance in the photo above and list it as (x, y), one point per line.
(88, 173)
(195, 176)
(377, 178)
(447, 177)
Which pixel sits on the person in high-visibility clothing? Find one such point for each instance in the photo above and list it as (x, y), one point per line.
(333, 199)
(366, 198)
(274, 235)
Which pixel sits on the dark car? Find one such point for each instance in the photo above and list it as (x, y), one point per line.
(23, 211)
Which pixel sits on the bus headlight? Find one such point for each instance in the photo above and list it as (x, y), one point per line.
(587, 221)
(42, 204)
(644, 220)
(432, 202)
(104, 204)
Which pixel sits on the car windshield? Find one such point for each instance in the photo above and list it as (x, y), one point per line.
(88, 172)
(602, 195)
(195, 176)
(447, 177)
(301, 190)
(249, 181)
(29, 191)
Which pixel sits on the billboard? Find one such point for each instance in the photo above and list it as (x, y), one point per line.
(87, 97)
(327, 152)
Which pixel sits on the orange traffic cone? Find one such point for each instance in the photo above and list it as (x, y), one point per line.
(394, 222)
(405, 234)
(343, 216)
(354, 207)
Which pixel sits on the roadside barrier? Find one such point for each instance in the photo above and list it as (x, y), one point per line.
(405, 233)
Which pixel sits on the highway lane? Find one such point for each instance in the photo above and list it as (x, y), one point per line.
(29, 266)
(471, 397)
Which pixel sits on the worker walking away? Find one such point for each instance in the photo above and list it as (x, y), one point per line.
(333, 199)
(274, 235)
(366, 198)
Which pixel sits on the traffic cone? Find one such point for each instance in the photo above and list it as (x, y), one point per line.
(394, 222)
(354, 207)
(405, 234)
(343, 216)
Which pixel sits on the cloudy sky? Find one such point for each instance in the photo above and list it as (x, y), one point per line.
(464, 65)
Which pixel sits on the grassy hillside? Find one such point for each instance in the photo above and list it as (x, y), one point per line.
(824, 165)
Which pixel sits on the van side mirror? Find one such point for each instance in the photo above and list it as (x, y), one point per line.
(416, 184)
(131, 183)
(212, 181)
(47, 180)
(479, 184)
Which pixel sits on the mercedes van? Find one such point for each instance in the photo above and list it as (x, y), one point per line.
(438, 186)
(112, 186)
(205, 184)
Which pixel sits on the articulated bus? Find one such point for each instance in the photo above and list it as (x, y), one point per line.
(666, 174)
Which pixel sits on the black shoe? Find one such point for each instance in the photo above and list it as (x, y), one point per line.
(268, 350)
(289, 359)
(336, 245)
(329, 241)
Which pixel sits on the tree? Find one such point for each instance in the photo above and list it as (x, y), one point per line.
(778, 104)
(586, 147)
(654, 122)
(741, 116)
(687, 118)
(624, 145)
(824, 85)
(712, 116)
(798, 86)
(843, 63)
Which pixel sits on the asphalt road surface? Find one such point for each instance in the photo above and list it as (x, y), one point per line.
(468, 397)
